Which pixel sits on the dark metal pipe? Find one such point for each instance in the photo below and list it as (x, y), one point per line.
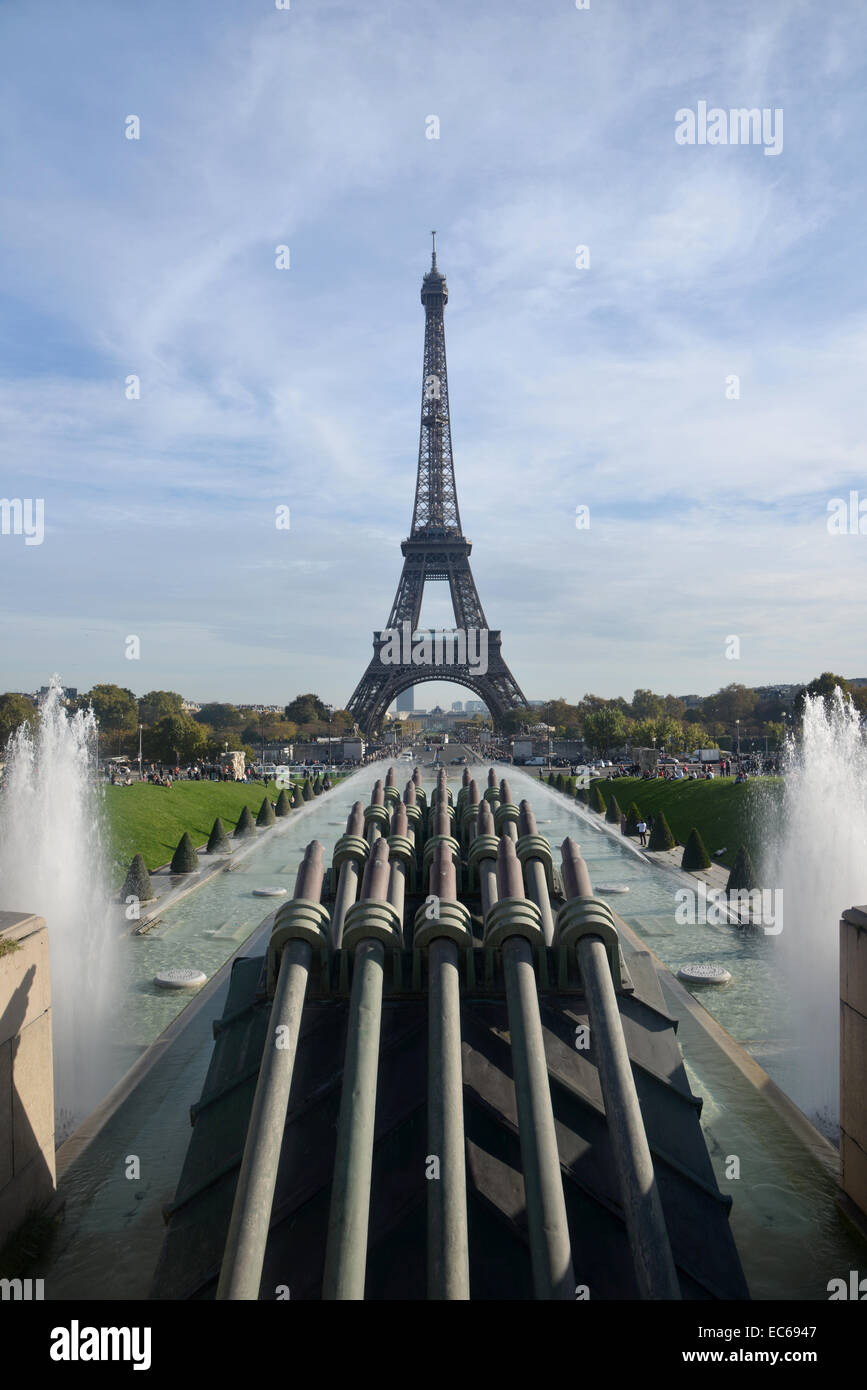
(487, 866)
(639, 1194)
(244, 1254)
(349, 879)
(448, 1240)
(346, 1249)
(550, 1250)
(537, 882)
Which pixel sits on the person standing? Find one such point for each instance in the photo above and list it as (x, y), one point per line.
(642, 832)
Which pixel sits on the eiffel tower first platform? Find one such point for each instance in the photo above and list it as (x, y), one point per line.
(436, 549)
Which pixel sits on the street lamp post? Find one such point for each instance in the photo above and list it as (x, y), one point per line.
(738, 730)
(139, 751)
(330, 709)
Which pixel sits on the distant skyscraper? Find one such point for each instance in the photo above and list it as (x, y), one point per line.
(405, 701)
(458, 705)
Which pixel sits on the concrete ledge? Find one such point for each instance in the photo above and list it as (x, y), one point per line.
(27, 1170)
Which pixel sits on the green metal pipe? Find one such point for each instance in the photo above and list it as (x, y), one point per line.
(346, 1250)
(534, 869)
(652, 1257)
(247, 1239)
(550, 1250)
(349, 878)
(448, 1241)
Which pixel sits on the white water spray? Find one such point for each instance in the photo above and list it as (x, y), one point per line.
(820, 862)
(52, 864)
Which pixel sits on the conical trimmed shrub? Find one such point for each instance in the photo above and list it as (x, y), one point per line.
(317, 787)
(613, 811)
(570, 786)
(284, 805)
(661, 836)
(245, 824)
(266, 813)
(307, 789)
(137, 883)
(582, 795)
(295, 798)
(633, 816)
(218, 840)
(743, 874)
(695, 856)
(326, 785)
(597, 800)
(559, 782)
(551, 779)
(185, 860)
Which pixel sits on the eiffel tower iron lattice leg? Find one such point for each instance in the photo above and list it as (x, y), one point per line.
(435, 550)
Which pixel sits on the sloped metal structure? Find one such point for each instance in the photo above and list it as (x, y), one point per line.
(444, 1082)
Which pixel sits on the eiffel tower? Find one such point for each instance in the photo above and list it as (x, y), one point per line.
(435, 549)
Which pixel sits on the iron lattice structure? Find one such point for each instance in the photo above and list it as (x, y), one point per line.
(436, 550)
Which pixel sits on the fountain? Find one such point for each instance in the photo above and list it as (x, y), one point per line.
(819, 859)
(52, 864)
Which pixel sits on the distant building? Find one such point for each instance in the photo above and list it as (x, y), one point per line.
(190, 707)
(458, 705)
(476, 707)
(406, 700)
(690, 701)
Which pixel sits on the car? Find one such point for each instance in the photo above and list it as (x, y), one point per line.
(535, 762)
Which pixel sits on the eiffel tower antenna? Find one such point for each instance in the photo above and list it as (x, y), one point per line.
(435, 550)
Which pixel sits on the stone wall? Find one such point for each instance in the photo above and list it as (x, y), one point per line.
(853, 1058)
(27, 1175)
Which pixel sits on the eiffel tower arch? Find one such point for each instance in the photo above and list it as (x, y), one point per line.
(436, 550)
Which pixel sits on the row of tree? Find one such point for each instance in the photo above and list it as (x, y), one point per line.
(663, 721)
(171, 734)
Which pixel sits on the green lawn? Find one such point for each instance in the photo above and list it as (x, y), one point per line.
(723, 814)
(147, 820)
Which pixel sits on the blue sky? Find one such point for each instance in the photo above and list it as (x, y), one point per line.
(602, 386)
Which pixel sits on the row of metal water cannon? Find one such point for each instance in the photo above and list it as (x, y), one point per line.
(379, 852)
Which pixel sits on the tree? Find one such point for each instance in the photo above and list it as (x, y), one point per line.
(283, 806)
(606, 728)
(266, 813)
(660, 836)
(597, 800)
(137, 883)
(646, 705)
(307, 789)
(306, 709)
(633, 816)
(245, 824)
(743, 875)
(185, 860)
(823, 685)
(114, 706)
(15, 710)
(219, 716)
(695, 856)
(157, 704)
(728, 704)
(175, 739)
(613, 812)
(218, 840)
